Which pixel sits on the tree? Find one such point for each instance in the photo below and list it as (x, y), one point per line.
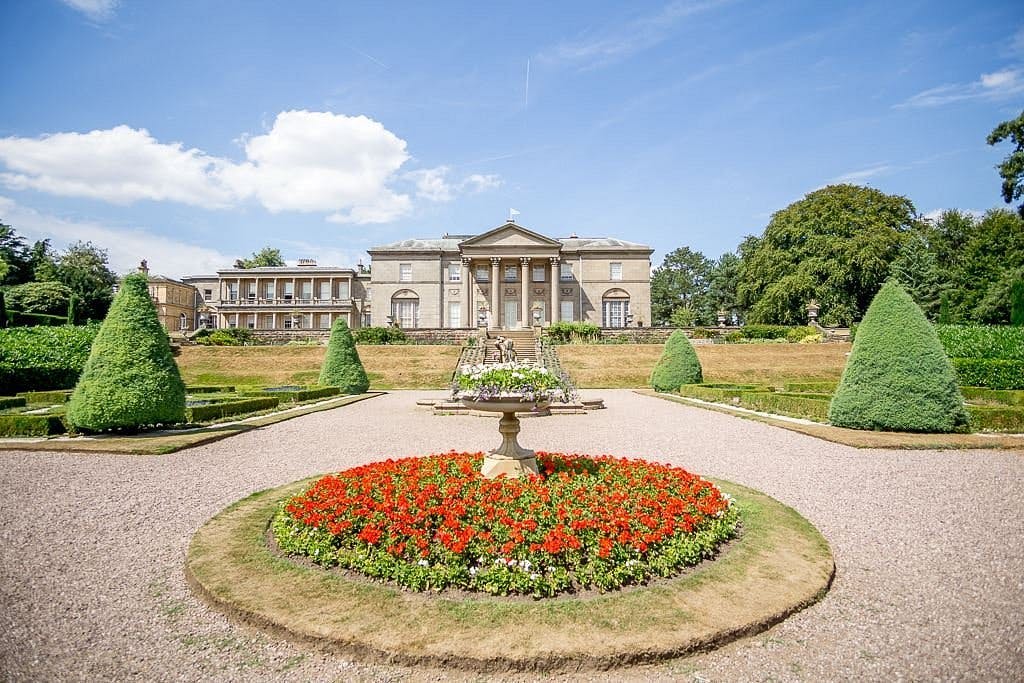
(49, 298)
(989, 261)
(14, 254)
(677, 366)
(917, 270)
(1017, 302)
(83, 268)
(1011, 170)
(42, 261)
(898, 377)
(725, 278)
(264, 258)
(130, 379)
(681, 281)
(834, 245)
(342, 366)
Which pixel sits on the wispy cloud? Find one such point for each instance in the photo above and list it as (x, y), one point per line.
(612, 44)
(862, 174)
(125, 246)
(97, 10)
(992, 86)
(433, 184)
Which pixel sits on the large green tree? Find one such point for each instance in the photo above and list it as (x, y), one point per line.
(834, 245)
(266, 257)
(917, 269)
(83, 268)
(679, 287)
(992, 259)
(1011, 170)
(50, 298)
(14, 255)
(722, 284)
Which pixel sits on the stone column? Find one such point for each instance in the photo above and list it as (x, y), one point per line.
(495, 291)
(467, 294)
(524, 310)
(556, 281)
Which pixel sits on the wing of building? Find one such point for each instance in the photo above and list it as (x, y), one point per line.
(508, 277)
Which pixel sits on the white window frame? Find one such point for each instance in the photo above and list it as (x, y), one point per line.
(454, 272)
(614, 313)
(207, 295)
(567, 305)
(483, 274)
(289, 291)
(511, 273)
(565, 272)
(615, 271)
(405, 272)
(539, 271)
(325, 290)
(454, 314)
(344, 290)
(325, 321)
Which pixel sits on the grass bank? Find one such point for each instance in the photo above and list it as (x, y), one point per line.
(388, 367)
(598, 366)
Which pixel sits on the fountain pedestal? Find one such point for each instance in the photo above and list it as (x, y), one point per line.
(509, 458)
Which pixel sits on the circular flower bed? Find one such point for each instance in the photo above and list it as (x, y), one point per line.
(434, 522)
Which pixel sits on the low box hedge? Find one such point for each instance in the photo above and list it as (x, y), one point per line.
(997, 418)
(810, 387)
(208, 389)
(46, 397)
(12, 402)
(792, 405)
(298, 395)
(216, 411)
(1007, 397)
(989, 372)
(31, 425)
(717, 392)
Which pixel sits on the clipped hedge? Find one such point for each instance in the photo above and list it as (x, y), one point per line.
(1005, 396)
(677, 366)
(298, 395)
(712, 392)
(379, 336)
(46, 397)
(31, 425)
(983, 341)
(214, 411)
(40, 358)
(342, 367)
(792, 405)
(130, 379)
(997, 418)
(209, 388)
(573, 332)
(810, 387)
(898, 377)
(12, 402)
(989, 372)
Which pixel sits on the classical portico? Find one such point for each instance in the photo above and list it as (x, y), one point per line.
(510, 277)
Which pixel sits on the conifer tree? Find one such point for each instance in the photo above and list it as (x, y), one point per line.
(130, 379)
(898, 377)
(677, 366)
(342, 367)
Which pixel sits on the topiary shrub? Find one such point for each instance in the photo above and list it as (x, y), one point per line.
(342, 367)
(130, 379)
(898, 377)
(677, 366)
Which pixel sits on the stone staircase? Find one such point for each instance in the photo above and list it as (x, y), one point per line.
(524, 343)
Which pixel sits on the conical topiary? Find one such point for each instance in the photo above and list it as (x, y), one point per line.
(677, 366)
(130, 378)
(898, 377)
(342, 367)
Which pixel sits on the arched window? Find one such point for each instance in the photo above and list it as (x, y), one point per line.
(615, 308)
(405, 309)
(182, 322)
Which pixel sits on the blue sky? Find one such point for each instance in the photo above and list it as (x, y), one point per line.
(192, 133)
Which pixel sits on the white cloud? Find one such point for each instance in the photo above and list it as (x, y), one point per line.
(619, 42)
(934, 214)
(125, 247)
(94, 9)
(997, 85)
(862, 174)
(344, 166)
(433, 184)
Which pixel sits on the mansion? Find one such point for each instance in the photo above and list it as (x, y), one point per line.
(506, 278)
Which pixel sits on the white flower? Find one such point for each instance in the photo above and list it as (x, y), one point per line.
(423, 563)
(525, 564)
(473, 571)
(534, 577)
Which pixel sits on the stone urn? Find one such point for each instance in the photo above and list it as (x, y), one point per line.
(509, 458)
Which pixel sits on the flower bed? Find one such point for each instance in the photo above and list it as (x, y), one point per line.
(531, 382)
(432, 523)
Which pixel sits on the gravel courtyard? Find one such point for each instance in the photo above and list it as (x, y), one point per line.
(928, 547)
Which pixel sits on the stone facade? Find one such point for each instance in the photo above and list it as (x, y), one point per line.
(510, 277)
(175, 303)
(303, 297)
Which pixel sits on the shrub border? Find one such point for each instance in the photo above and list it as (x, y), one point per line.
(231, 566)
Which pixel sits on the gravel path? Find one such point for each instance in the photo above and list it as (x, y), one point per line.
(930, 581)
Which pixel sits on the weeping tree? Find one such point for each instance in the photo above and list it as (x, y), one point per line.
(342, 367)
(130, 379)
(898, 377)
(677, 366)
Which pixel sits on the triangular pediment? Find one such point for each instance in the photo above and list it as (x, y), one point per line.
(510, 235)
